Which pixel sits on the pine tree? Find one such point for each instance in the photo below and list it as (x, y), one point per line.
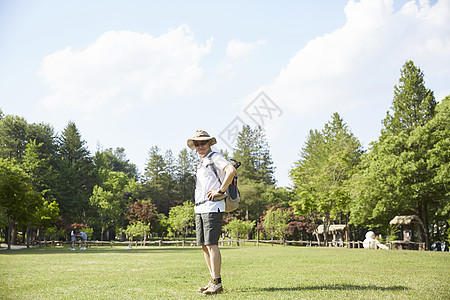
(159, 182)
(395, 177)
(253, 152)
(413, 104)
(76, 175)
(185, 175)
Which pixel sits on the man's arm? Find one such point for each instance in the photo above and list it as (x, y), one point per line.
(229, 175)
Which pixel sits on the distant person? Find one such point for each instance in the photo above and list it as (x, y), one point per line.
(209, 205)
(83, 240)
(73, 238)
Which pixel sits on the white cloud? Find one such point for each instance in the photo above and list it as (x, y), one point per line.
(353, 70)
(125, 66)
(236, 49)
(237, 52)
(356, 61)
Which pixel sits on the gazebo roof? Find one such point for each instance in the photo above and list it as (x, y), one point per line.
(405, 220)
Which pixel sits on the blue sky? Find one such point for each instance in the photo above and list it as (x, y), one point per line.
(136, 74)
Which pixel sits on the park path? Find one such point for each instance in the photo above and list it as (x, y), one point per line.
(13, 247)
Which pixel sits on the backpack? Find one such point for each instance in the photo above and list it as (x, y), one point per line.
(232, 194)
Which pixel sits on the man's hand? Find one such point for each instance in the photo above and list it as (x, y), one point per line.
(212, 194)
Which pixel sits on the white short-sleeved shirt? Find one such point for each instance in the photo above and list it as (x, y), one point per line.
(207, 181)
(83, 235)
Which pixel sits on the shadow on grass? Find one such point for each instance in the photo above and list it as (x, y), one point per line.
(342, 287)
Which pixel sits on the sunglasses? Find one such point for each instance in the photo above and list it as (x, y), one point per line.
(200, 143)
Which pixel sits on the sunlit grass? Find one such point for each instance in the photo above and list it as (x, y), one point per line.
(248, 272)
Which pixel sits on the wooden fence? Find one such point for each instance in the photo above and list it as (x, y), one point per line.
(232, 242)
(222, 242)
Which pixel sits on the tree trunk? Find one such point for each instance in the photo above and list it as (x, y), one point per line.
(325, 232)
(38, 236)
(124, 228)
(257, 237)
(103, 229)
(8, 237)
(28, 237)
(425, 225)
(14, 233)
(347, 231)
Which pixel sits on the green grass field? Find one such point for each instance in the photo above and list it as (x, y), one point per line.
(248, 273)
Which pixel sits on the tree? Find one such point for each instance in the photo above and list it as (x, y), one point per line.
(253, 152)
(236, 228)
(413, 104)
(159, 180)
(321, 176)
(181, 218)
(143, 211)
(397, 175)
(13, 137)
(114, 160)
(256, 171)
(110, 199)
(137, 229)
(45, 215)
(275, 222)
(185, 175)
(17, 196)
(76, 175)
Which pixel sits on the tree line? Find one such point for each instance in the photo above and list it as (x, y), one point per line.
(51, 183)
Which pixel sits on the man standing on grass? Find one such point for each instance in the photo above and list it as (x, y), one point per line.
(214, 175)
(73, 238)
(83, 240)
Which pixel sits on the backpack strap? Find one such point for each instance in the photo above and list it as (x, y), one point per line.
(211, 163)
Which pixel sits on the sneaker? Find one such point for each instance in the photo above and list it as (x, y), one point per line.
(72, 249)
(204, 288)
(214, 288)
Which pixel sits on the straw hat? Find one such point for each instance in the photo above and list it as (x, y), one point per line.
(200, 135)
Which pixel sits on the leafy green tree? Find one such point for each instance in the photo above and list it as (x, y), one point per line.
(181, 218)
(45, 215)
(3, 218)
(114, 160)
(321, 176)
(429, 170)
(398, 176)
(238, 228)
(110, 199)
(13, 137)
(251, 204)
(17, 196)
(275, 222)
(104, 202)
(138, 229)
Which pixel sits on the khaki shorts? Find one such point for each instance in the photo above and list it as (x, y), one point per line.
(208, 228)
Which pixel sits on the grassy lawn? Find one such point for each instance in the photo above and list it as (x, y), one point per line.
(248, 273)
